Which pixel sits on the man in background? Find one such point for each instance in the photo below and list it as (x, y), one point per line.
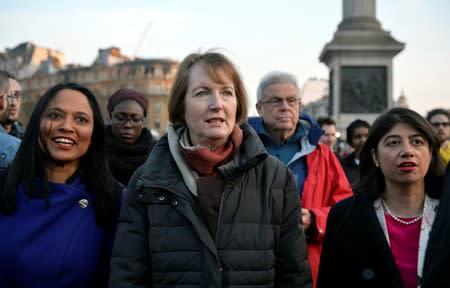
(12, 126)
(8, 144)
(328, 125)
(439, 118)
(293, 138)
(357, 133)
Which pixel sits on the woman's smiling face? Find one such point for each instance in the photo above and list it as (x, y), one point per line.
(66, 127)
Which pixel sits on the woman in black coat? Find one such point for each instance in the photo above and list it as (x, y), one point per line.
(380, 237)
(210, 207)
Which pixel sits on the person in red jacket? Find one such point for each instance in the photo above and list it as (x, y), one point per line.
(293, 137)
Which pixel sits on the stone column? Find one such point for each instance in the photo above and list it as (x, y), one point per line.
(360, 61)
(359, 8)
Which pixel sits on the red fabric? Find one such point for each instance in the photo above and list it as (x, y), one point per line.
(204, 161)
(404, 241)
(210, 185)
(325, 185)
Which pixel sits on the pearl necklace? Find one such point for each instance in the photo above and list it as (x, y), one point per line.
(398, 219)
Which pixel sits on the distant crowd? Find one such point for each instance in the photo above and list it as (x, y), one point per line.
(222, 199)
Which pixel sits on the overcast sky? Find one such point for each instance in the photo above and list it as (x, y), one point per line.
(259, 36)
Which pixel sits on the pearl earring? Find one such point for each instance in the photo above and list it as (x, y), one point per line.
(376, 164)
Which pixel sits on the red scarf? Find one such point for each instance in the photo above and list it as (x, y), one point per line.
(204, 161)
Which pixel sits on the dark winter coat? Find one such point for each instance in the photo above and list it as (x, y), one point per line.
(356, 253)
(162, 241)
(437, 258)
(124, 158)
(350, 168)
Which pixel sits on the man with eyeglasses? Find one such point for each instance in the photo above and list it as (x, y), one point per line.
(8, 144)
(293, 138)
(440, 120)
(12, 126)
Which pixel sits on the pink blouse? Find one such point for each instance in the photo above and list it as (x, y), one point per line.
(404, 242)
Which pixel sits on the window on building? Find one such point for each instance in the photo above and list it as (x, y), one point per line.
(158, 73)
(157, 108)
(157, 89)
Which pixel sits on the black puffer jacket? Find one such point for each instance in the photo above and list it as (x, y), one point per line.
(162, 242)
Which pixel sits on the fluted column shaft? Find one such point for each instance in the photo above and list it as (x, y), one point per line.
(359, 8)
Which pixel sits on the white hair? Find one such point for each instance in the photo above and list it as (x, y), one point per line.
(275, 77)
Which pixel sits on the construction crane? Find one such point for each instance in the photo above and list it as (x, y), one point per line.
(142, 37)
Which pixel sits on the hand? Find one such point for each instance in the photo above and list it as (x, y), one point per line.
(306, 218)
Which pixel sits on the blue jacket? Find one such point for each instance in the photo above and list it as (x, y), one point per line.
(321, 182)
(8, 148)
(307, 144)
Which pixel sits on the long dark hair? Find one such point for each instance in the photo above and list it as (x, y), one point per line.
(93, 168)
(371, 179)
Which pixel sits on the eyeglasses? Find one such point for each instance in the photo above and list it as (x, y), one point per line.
(18, 95)
(437, 124)
(122, 118)
(277, 101)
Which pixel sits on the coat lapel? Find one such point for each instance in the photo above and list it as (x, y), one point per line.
(361, 234)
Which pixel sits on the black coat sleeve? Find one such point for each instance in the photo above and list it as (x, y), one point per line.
(292, 268)
(331, 256)
(131, 261)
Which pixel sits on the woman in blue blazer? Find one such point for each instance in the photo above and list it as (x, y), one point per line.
(58, 200)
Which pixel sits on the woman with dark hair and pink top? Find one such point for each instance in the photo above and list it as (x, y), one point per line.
(384, 235)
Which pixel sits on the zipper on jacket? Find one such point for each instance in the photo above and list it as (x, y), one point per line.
(227, 183)
(140, 185)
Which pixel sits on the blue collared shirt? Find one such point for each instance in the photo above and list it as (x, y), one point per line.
(286, 151)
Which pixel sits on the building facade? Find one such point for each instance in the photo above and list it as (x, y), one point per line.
(314, 95)
(111, 71)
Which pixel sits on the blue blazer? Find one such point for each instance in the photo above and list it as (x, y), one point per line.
(54, 243)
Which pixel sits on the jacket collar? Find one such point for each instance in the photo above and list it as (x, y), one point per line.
(308, 133)
(166, 165)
